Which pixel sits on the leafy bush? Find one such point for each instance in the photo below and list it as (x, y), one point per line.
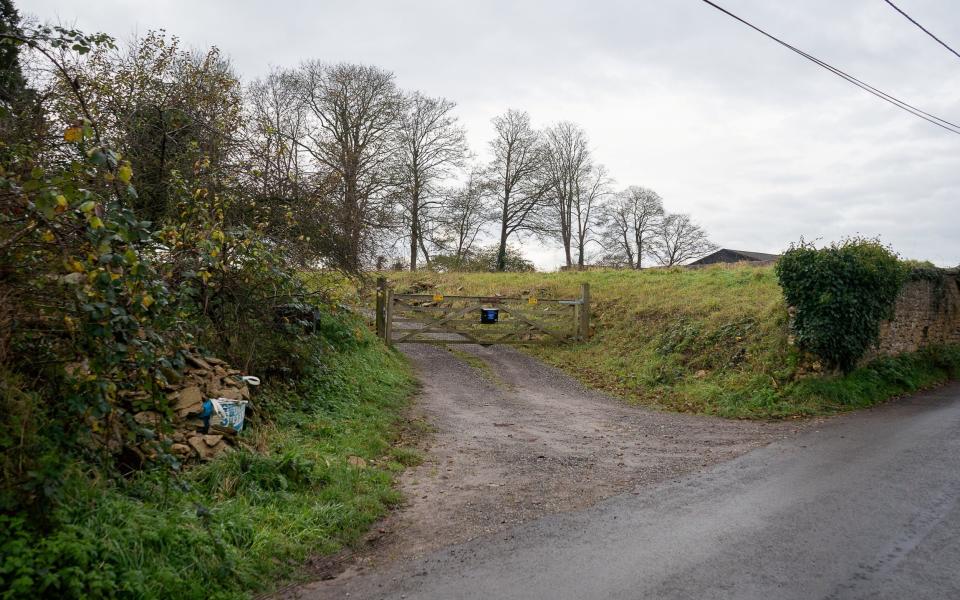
(840, 294)
(98, 307)
(92, 324)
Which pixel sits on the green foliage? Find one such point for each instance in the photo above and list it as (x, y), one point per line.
(232, 284)
(96, 320)
(98, 306)
(12, 82)
(840, 293)
(242, 521)
(882, 378)
(164, 108)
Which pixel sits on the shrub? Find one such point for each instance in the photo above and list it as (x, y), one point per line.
(840, 293)
(98, 307)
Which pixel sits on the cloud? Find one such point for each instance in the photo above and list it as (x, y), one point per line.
(759, 145)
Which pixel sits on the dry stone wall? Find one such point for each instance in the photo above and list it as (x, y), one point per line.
(927, 313)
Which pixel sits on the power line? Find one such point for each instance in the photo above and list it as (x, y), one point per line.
(905, 106)
(925, 30)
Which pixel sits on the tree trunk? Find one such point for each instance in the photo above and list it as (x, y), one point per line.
(426, 255)
(502, 250)
(414, 225)
(414, 246)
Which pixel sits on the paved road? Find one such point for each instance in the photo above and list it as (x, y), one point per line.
(864, 507)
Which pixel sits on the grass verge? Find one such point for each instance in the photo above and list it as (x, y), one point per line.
(713, 341)
(311, 480)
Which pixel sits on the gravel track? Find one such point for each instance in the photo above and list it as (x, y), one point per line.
(514, 440)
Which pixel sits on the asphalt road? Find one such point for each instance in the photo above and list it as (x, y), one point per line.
(864, 507)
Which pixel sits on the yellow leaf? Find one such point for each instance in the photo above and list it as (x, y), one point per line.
(88, 206)
(47, 236)
(217, 235)
(204, 276)
(61, 203)
(73, 134)
(147, 300)
(124, 173)
(95, 222)
(75, 265)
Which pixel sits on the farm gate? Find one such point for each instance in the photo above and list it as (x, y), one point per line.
(434, 318)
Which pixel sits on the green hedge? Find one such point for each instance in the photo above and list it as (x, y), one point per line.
(840, 293)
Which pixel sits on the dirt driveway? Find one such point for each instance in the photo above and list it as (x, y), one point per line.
(515, 439)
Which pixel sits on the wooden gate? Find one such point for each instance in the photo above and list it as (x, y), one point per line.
(485, 320)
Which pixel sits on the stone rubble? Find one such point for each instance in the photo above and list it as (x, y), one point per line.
(205, 377)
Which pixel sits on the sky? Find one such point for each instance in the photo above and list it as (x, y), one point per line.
(760, 146)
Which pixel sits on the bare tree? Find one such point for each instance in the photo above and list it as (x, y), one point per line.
(463, 215)
(276, 133)
(353, 133)
(566, 163)
(293, 194)
(629, 222)
(586, 202)
(432, 144)
(677, 239)
(517, 155)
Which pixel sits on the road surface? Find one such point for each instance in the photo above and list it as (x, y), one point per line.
(865, 506)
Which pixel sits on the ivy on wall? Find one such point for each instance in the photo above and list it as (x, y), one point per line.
(841, 294)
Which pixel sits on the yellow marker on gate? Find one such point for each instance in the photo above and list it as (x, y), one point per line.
(531, 300)
(438, 297)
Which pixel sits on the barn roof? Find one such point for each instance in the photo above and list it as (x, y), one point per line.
(756, 255)
(745, 254)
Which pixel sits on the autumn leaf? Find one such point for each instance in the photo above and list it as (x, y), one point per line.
(124, 173)
(73, 134)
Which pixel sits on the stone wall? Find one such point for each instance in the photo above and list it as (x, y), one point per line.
(927, 313)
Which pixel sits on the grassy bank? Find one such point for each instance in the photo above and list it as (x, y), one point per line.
(712, 341)
(310, 479)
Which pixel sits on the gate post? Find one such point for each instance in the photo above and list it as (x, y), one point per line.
(388, 318)
(381, 305)
(584, 321)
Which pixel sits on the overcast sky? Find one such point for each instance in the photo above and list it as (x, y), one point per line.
(759, 145)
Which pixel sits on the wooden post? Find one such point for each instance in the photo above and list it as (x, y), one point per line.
(584, 316)
(381, 305)
(388, 318)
